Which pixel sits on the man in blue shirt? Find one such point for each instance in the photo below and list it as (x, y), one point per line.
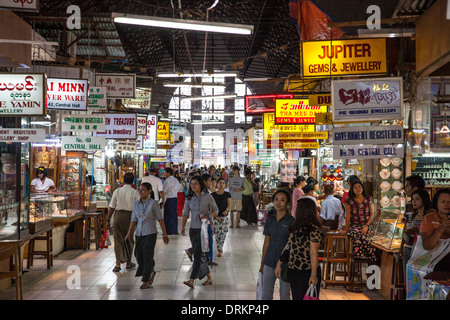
(331, 209)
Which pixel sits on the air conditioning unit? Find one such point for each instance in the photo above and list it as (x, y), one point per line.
(66, 38)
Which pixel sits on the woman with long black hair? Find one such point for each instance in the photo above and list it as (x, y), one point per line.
(199, 205)
(276, 232)
(301, 252)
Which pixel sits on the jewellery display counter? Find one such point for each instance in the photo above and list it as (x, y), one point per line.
(389, 231)
(13, 200)
(41, 210)
(390, 182)
(44, 155)
(72, 171)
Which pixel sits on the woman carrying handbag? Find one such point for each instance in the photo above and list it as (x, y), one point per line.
(301, 253)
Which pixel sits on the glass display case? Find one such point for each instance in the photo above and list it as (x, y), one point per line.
(41, 210)
(72, 173)
(389, 231)
(60, 205)
(390, 183)
(13, 191)
(45, 155)
(103, 195)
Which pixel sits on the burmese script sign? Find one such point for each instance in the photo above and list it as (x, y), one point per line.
(120, 86)
(83, 123)
(20, 5)
(142, 100)
(344, 57)
(368, 152)
(119, 126)
(150, 139)
(80, 143)
(67, 94)
(296, 111)
(22, 94)
(368, 135)
(22, 135)
(367, 99)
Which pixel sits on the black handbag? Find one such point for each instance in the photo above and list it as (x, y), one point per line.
(284, 272)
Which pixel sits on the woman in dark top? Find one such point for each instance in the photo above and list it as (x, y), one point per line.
(276, 232)
(359, 210)
(223, 200)
(302, 250)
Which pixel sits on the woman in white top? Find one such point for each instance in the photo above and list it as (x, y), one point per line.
(42, 183)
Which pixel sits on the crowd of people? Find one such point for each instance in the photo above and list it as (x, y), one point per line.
(293, 230)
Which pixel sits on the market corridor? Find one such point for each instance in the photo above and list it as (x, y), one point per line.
(234, 278)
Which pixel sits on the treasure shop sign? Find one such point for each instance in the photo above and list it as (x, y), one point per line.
(367, 100)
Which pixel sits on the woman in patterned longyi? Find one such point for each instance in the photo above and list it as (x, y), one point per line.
(359, 210)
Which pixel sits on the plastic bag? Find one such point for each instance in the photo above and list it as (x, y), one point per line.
(205, 236)
(311, 294)
(259, 287)
(105, 242)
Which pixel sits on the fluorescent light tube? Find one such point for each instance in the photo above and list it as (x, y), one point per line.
(192, 85)
(213, 114)
(183, 24)
(223, 96)
(188, 75)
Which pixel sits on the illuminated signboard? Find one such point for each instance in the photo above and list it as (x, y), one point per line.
(262, 103)
(67, 94)
(344, 57)
(296, 111)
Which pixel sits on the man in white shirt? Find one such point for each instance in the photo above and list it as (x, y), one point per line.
(121, 205)
(170, 190)
(331, 209)
(157, 185)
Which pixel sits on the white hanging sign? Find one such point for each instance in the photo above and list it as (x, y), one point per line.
(151, 138)
(368, 135)
(67, 94)
(82, 123)
(366, 100)
(368, 151)
(22, 135)
(97, 99)
(118, 85)
(80, 143)
(119, 126)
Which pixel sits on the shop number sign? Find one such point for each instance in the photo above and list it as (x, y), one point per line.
(368, 152)
(301, 145)
(344, 57)
(79, 143)
(22, 94)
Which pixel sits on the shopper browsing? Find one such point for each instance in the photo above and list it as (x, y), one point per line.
(276, 234)
(236, 185)
(248, 213)
(170, 189)
(223, 202)
(121, 206)
(297, 193)
(331, 209)
(145, 213)
(301, 252)
(199, 205)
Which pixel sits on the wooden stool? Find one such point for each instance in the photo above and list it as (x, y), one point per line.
(13, 249)
(397, 291)
(356, 278)
(48, 253)
(336, 251)
(92, 223)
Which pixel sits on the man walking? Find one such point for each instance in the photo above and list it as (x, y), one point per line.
(331, 209)
(157, 185)
(236, 184)
(121, 206)
(170, 190)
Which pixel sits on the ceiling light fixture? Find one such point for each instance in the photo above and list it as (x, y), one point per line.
(188, 75)
(213, 113)
(222, 96)
(208, 122)
(193, 85)
(182, 24)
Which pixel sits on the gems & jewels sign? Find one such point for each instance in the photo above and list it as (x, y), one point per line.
(296, 111)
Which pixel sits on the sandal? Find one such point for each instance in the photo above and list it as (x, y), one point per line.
(131, 266)
(219, 254)
(152, 278)
(189, 254)
(145, 285)
(116, 269)
(189, 283)
(207, 283)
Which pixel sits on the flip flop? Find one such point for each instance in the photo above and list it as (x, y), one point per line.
(131, 266)
(207, 283)
(145, 286)
(152, 278)
(189, 284)
(188, 254)
(116, 269)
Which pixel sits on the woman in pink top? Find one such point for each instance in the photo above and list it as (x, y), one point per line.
(297, 193)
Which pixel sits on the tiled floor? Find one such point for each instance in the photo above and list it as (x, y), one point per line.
(234, 278)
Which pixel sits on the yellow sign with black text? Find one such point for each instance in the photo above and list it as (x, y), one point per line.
(299, 136)
(296, 111)
(163, 131)
(272, 130)
(301, 145)
(344, 57)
